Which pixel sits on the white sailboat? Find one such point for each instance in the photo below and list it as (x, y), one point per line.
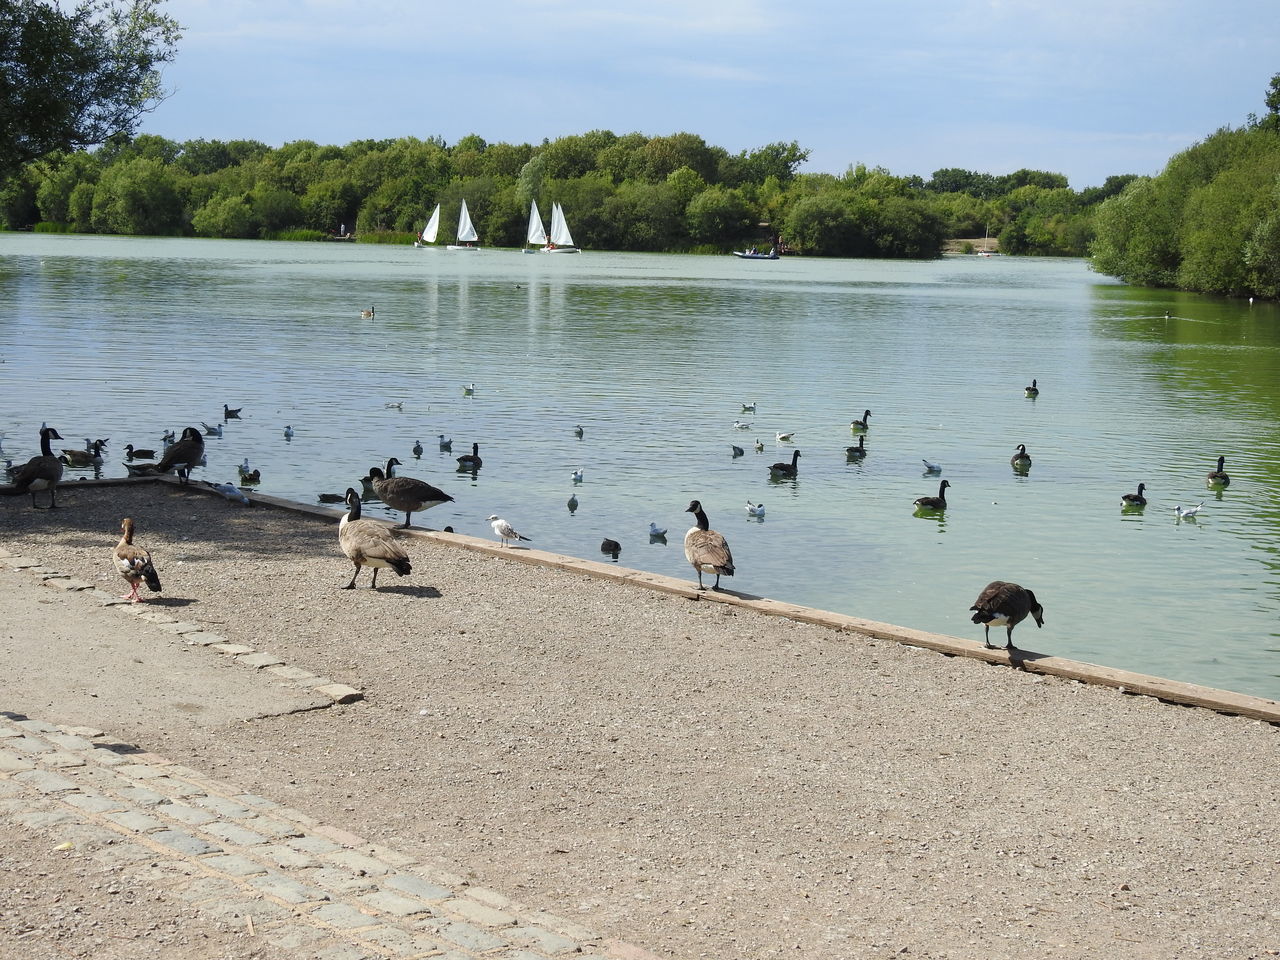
(561, 240)
(536, 237)
(467, 237)
(428, 235)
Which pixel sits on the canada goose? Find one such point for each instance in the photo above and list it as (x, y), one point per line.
(759, 445)
(212, 431)
(857, 451)
(1189, 513)
(577, 431)
(84, 458)
(133, 453)
(656, 531)
(1218, 478)
(755, 509)
(39, 473)
(504, 531)
(417, 449)
(1033, 390)
(368, 543)
(288, 432)
(931, 467)
(935, 503)
(229, 414)
(134, 563)
(1135, 499)
(577, 475)
(471, 461)
(572, 502)
(784, 437)
(611, 547)
(1021, 460)
(1005, 605)
(862, 424)
(786, 469)
(445, 443)
(736, 451)
(367, 314)
(405, 493)
(740, 425)
(749, 407)
(230, 491)
(705, 549)
(183, 455)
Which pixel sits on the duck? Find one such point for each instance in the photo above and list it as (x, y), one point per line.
(862, 424)
(405, 493)
(1005, 605)
(611, 547)
(504, 531)
(288, 431)
(740, 425)
(367, 314)
(135, 453)
(572, 503)
(91, 457)
(1021, 460)
(332, 498)
(230, 491)
(787, 469)
(935, 503)
(417, 449)
(251, 478)
(446, 443)
(1135, 499)
(759, 445)
(471, 461)
(229, 414)
(577, 475)
(140, 469)
(134, 563)
(1189, 513)
(183, 455)
(755, 509)
(1218, 478)
(857, 451)
(930, 467)
(705, 549)
(783, 437)
(656, 531)
(212, 431)
(736, 451)
(1033, 391)
(577, 431)
(367, 543)
(749, 407)
(41, 472)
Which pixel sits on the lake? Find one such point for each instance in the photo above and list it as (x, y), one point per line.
(654, 356)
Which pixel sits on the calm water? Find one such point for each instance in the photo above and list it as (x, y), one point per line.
(654, 355)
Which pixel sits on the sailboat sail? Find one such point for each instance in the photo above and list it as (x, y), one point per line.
(560, 235)
(537, 236)
(466, 231)
(433, 226)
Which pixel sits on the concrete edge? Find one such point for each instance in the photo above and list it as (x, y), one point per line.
(1172, 691)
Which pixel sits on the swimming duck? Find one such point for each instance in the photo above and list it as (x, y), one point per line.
(705, 549)
(368, 543)
(736, 450)
(134, 453)
(573, 502)
(611, 547)
(417, 449)
(1005, 605)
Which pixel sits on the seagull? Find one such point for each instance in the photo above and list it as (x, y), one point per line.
(168, 437)
(468, 389)
(655, 531)
(417, 449)
(739, 425)
(577, 475)
(784, 437)
(749, 407)
(759, 445)
(1189, 513)
(229, 490)
(736, 450)
(504, 531)
(573, 502)
(577, 431)
(394, 405)
(755, 509)
(288, 432)
(445, 443)
(931, 467)
(229, 414)
(211, 431)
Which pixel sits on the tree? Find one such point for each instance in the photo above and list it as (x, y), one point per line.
(73, 79)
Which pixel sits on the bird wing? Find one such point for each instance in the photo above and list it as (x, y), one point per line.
(708, 549)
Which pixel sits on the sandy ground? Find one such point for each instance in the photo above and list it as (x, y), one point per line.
(695, 778)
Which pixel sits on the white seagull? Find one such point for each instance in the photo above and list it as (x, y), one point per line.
(749, 407)
(784, 437)
(739, 425)
(931, 467)
(577, 475)
(755, 509)
(504, 531)
(654, 530)
(211, 431)
(446, 443)
(288, 432)
(230, 491)
(1189, 512)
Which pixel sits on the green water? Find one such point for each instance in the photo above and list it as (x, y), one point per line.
(654, 355)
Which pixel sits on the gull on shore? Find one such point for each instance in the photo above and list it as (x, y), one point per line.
(504, 531)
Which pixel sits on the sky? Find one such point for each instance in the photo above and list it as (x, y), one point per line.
(1086, 88)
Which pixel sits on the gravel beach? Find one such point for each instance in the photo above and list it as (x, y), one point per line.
(692, 777)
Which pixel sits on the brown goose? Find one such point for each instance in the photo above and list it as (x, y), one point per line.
(91, 456)
(935, 503)
(862, 424)
(1005, 605)
(368, 543)
(787, 469)
(134, 563)
(1134, 499)
(1021, 460)
(405, 493)
(38, 473)
(183, 455)
(1218, 478)
(1033, 391)
(705, 549)
(858, 451)
(471, 461)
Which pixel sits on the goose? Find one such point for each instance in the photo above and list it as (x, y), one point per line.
(183, 455)
(577, 431)
(784, 437)
(471, 461)
(1135, 499)
(786, 469)
(572, 502)
(405, 493)
(706, 550)
(230, 491)
(39, 473)
(367, 314)
(140, 469)
(134, 453)
(1033, 390)
(212, 431)
(1021, 460)
(229, 414)
(755, 509)
(759, 445)
(332, 498)
(857, 451)
(931, 467)
(736, 450)
(468, 389)
(1218, 478)
(288, 432)
(84, 458)
(749, 407)
(134, 563)
(417, 449)
(1189, 513)
(445, 442)
(656, 531)
(504, 531)
(611, 547)
(368, 543)
(935, 503)
(740, 425)
(577, 475)
(861, 424)
(1005, 605)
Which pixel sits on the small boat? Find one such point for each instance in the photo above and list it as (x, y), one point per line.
(561, 240)
(756, 255)
(428, 235)
(536, 237)
(468, 239)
